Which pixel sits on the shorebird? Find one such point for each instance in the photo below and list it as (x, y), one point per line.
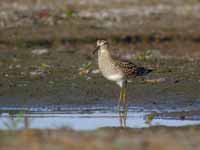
(117, 70)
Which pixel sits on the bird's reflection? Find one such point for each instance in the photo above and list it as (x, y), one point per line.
(26, 122)
(122, 118)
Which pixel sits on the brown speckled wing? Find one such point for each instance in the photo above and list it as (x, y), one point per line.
(127, 67)
(130, 69)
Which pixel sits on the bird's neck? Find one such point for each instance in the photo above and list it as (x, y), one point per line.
(104, 57)
(103, 52)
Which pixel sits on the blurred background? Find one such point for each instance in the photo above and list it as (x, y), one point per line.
(170, 26)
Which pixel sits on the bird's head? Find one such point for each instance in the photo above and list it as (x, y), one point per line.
(101, 44)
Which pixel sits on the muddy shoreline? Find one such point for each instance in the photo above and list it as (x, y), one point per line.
(107, 138)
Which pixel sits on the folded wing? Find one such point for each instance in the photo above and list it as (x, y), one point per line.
(130, 69)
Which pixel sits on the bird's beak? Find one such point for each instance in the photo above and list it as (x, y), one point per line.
(95, 50)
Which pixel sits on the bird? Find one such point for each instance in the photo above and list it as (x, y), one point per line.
(117, 70)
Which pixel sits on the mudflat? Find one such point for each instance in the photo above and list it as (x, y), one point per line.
(165, 138)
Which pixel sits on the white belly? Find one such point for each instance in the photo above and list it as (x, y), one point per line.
(114, 77)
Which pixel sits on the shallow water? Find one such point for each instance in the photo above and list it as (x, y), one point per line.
(87, 119)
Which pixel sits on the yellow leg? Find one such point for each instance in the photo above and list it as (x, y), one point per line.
(124, 94)
(120, 98)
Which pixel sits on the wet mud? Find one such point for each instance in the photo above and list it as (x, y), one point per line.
(107, 138)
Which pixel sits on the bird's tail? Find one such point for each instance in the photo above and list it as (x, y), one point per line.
(141, 71)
